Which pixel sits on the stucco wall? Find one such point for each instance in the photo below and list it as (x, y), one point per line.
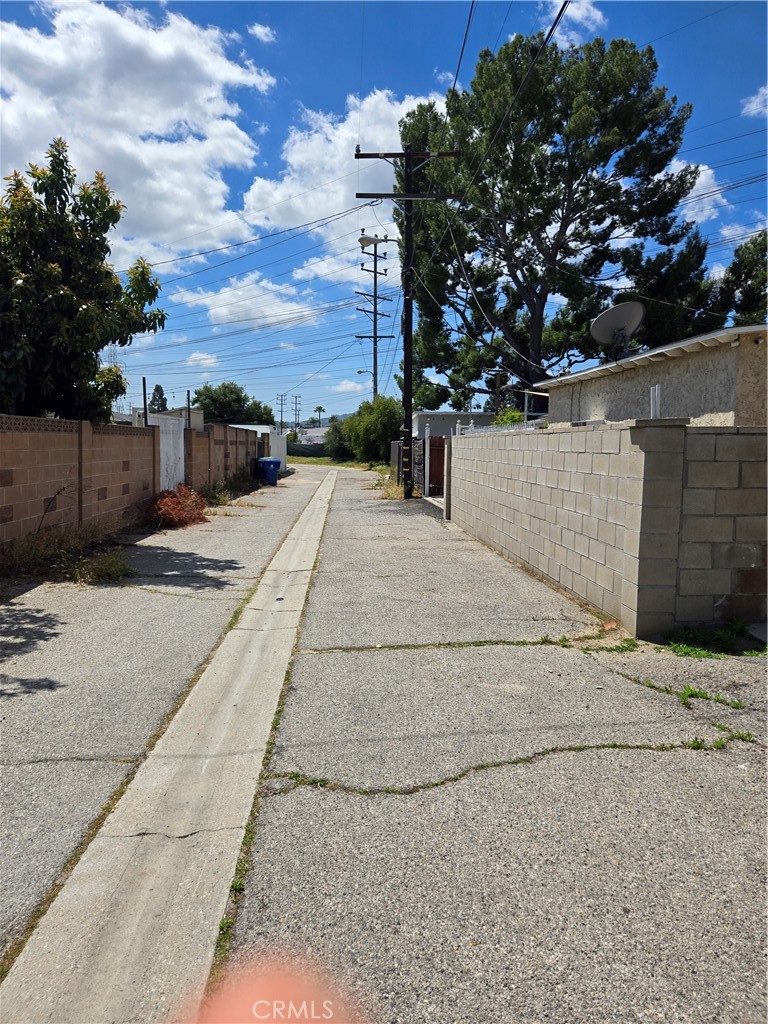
(721, 385)
(751, 382)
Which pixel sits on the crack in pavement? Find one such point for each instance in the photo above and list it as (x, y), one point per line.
(75, 758)
(184, 835)
(297, 779)
(566, 642)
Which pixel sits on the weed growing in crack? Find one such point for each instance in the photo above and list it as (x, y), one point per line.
(623, 647)
(732, 638)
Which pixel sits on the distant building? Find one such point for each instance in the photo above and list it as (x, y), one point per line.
(716, 379)
(442, 424)
(196, 416)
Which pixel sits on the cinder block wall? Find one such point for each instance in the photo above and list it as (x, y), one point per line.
(606, 511)
(219, 451)
(64, 472)
(722, 566)
(38, 470)
(121, 467)
(562, 501)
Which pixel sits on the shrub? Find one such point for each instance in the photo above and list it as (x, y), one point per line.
(216, 494)
(102, 567)
(241, 481)
(173, 509)
(335, 445)
(370, 431)
(508, 417)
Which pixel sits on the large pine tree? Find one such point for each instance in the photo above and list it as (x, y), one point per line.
(566, 176)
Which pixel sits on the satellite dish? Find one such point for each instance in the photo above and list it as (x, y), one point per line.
(617, 325)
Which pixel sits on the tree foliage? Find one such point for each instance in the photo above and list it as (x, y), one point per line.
(61, 302)
(369, 432)
(744, 282)
(230, 403)
(335, 443)
(158, 402)
(565, 180)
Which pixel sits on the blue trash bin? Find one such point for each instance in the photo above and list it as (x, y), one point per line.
(270, 469)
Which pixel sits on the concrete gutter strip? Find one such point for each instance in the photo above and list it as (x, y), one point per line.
(131, 935)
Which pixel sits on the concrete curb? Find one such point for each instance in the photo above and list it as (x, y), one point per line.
(132, 933)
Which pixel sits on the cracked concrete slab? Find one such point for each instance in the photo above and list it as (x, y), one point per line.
(410, 717)
(593, 886)
(131, 935)
(734, 678)
(92, 672)
(45, 807)
(390, 572)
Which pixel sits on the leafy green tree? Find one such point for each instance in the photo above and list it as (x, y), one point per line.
(158, 402)
(335, 444)
(565, 176)
(744, 282)
(319, 410)
(369, 432)
(61, 302)
(229, 403)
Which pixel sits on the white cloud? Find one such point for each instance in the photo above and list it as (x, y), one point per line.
(321, 172)
(316, 376)
(348, 387)
(739, 232)
(444, 78)
(286, 345)
(581, 20)
(250, 297)
(717, 271)
(704, 202)
(204, 360)
(262, 32)
(322, 175)
(757, 105)
(144, 98)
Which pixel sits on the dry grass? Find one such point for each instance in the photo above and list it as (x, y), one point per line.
(51, 552)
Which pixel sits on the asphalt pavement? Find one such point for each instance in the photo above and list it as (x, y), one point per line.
(474, 808)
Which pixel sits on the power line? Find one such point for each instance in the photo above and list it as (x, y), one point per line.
(695, 21)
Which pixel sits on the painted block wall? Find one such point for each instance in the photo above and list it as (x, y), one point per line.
(610, 512)
(722, 558)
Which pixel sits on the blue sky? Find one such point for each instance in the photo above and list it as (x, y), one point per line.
(232, 127)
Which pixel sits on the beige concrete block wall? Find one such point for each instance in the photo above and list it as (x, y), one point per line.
(62, 472)
(568, 503)
(198, 447)
(121, 468)
(219, 451)
(722, 561)
(653, 522)
(38, 474)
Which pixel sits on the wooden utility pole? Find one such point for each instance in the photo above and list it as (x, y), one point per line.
(406, 199)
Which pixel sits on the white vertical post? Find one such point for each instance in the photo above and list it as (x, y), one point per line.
(656, 402)
(427, 434)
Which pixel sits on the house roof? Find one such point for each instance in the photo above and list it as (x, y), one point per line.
(725, 336)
